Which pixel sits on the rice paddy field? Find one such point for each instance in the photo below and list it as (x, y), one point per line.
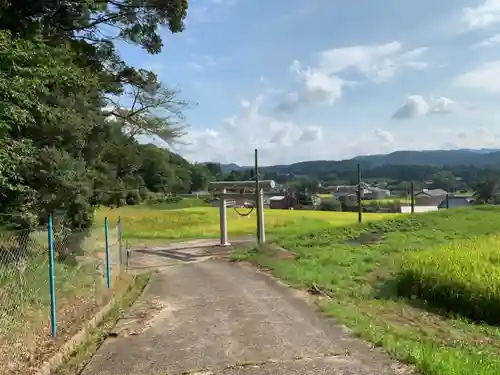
(158, 224)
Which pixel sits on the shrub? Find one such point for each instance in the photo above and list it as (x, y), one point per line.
(330, 205)
(133, 198)
(462, 277)
(173, 199)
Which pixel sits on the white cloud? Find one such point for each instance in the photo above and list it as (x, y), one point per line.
(475, 138)
(485, 77)
(482, 16)
(378, 63)
(318, 87)
(489, 42)
(201, 63)
(324, 83)
(384, 136)
(417, 106)
(311, 134)
(238, 135)
(278, 141)
(442, 105)
(223, 2)
(207, 13)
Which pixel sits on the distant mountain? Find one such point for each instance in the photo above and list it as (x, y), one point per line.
(463, 157)
(481, 150)
(228, 168)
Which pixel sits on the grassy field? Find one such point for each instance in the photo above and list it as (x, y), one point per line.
(185, 202)
(421, 286)
(142, 224)
(403, 200)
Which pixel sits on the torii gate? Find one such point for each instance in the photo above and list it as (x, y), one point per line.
(222, 188)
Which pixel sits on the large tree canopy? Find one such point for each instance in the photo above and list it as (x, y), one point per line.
(96, 21)
(71, 109)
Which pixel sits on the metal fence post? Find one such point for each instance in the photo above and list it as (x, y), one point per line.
(120, 244)
(53, 323)
(127, 251)
(108, 268)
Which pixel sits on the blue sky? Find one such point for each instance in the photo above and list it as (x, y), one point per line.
(332, 79)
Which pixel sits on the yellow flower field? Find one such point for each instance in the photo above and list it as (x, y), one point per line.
(146, 222)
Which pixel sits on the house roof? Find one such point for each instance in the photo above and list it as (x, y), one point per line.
(432, 192)
(276, 198)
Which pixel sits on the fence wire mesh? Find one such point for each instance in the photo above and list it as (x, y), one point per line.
(80, 285)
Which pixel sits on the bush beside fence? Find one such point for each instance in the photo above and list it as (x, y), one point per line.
(52, 281)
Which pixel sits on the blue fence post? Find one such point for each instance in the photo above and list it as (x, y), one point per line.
(108, 267)
(51, 279)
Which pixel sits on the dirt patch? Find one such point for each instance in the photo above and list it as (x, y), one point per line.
(144, 316)
(370, 238)
(277, 252)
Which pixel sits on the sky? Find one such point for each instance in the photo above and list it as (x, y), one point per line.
(332, 79)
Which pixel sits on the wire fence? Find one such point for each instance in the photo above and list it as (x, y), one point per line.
(52, 281)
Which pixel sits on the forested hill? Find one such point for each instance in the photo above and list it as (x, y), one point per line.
(483, 158)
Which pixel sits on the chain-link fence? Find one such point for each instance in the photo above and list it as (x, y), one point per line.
(52, 281)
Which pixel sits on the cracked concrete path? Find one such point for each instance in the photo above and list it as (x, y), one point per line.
(209, 317)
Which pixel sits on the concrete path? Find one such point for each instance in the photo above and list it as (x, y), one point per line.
(206, 316)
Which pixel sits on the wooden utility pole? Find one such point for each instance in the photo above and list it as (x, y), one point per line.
(412, 197)
(257, 196)
(360, 205)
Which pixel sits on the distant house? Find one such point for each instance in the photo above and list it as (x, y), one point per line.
(430, 197)
(454, 202)
(347, 193)
(376, 193)
(278, 202)
(402, 193)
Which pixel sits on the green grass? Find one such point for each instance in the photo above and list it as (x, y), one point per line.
(361, 278)
(386, 201)
(403, 200)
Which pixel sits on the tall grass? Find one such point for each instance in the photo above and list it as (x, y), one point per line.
(462, 277)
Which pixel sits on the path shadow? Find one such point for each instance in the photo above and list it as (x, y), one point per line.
(175, 254)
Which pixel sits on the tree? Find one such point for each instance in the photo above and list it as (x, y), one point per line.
(90, 28)
(487, 191)
(445, 180)
(53, 106)
(95, 21)
(214, 169)
(200, 176)
(155, 110)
